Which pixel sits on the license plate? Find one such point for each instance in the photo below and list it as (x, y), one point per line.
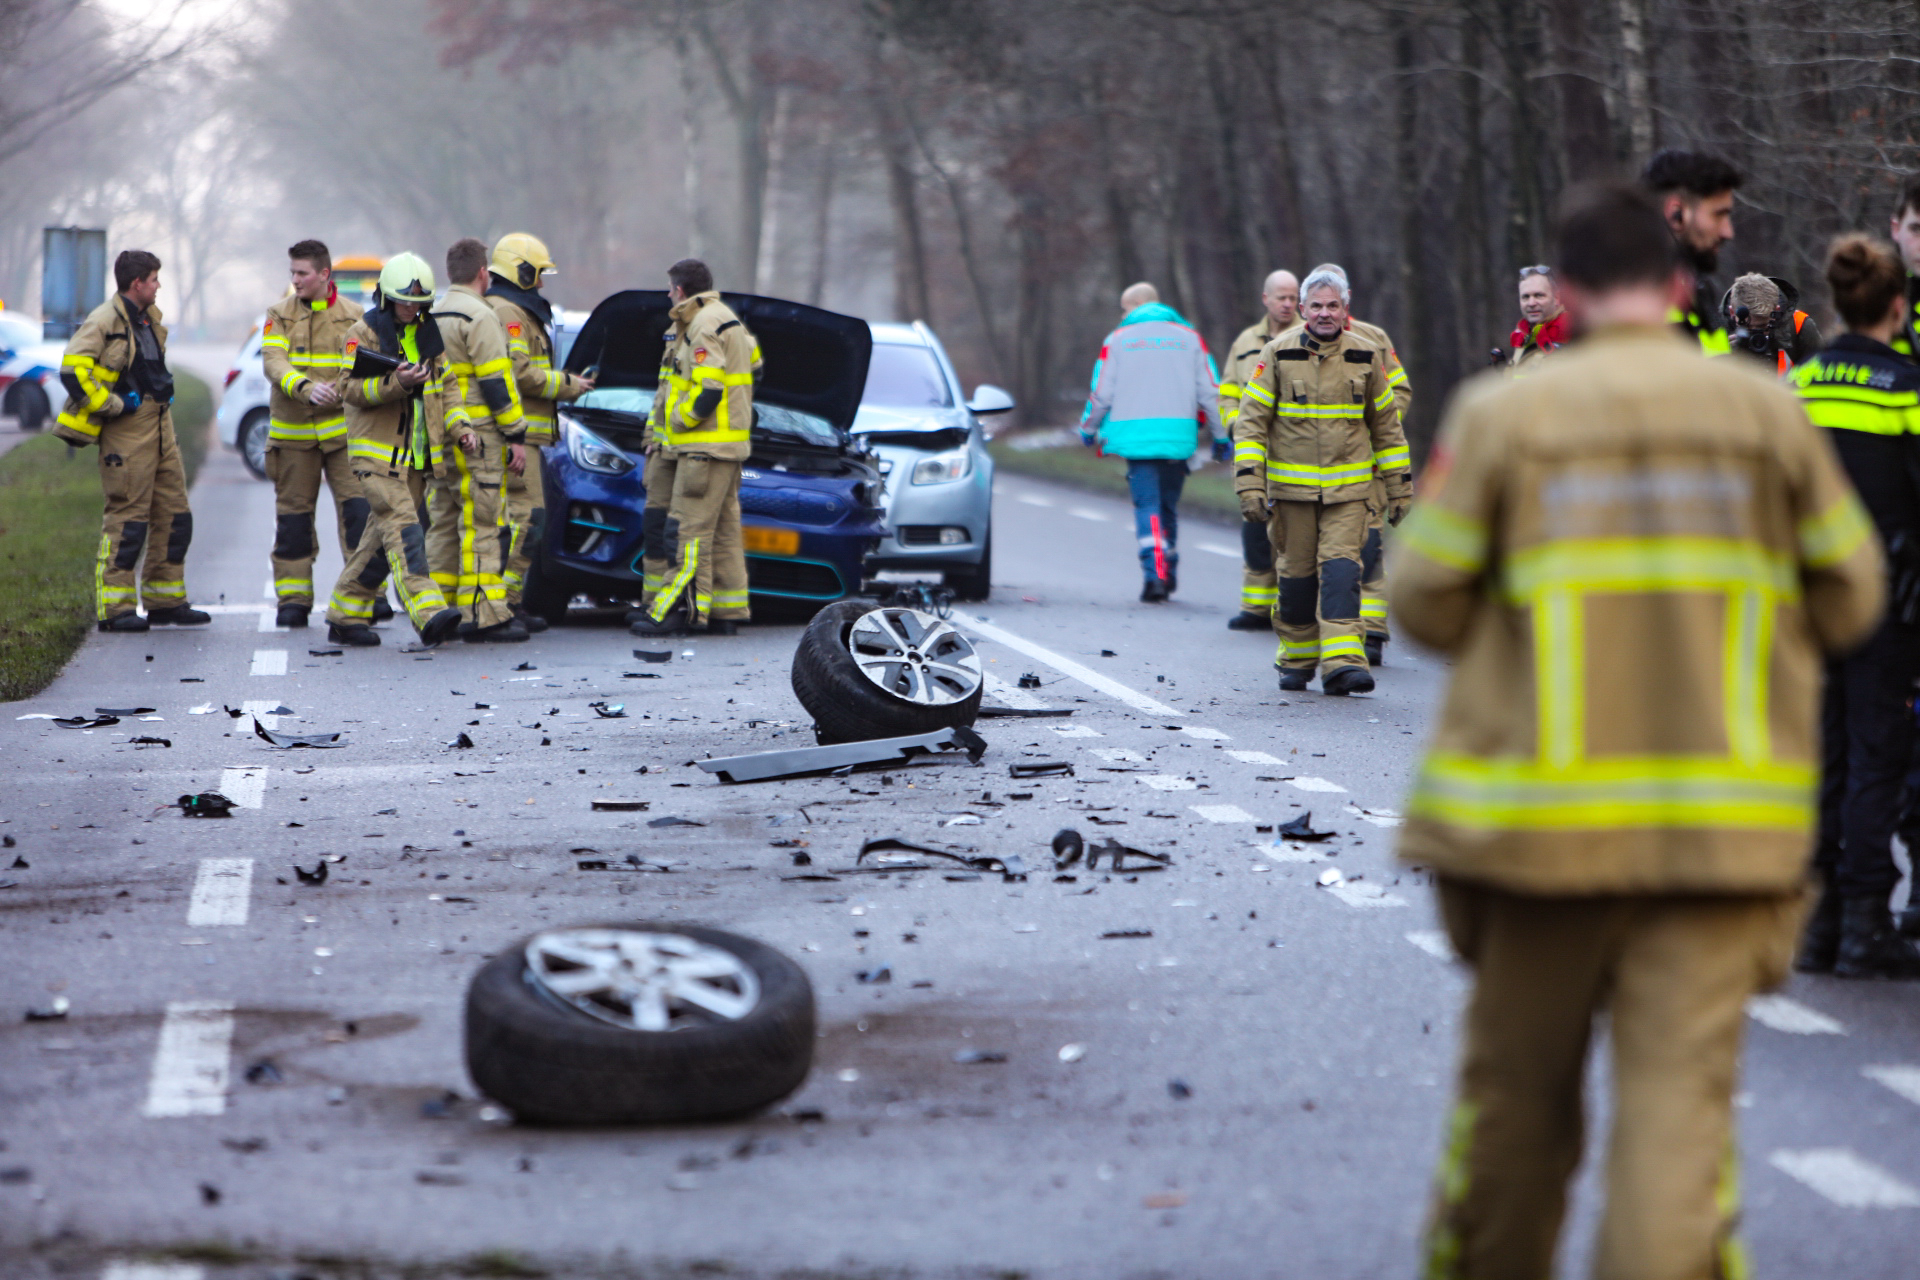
(770, 542)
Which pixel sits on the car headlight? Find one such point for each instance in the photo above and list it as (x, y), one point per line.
(943, 468)
(591, 453)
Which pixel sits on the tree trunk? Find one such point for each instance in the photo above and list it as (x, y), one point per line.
(1413, 290)
(1636, 80)
(822, 215)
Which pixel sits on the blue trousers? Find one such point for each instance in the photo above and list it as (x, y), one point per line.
(1156, 484)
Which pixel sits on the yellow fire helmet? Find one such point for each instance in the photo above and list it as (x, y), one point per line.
(406, 278)
(521, 259)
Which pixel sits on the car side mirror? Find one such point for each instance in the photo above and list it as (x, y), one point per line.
(988, 398)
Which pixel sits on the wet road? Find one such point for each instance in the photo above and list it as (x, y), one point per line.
(1312, 1029)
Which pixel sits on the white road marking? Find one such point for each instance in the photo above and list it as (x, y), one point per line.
(221, 892)
(1064, 665)
(1170, 782)
(245, 787)
(1364, 894)
(153, 1271)
(1085, 514)
(268, 622)
(1077, 731)
(1118, 755)
(1222, 813)
(263, 708)
(1005, 694)
(269, 662)
(1378, 817)
(1214, 548)
(1316, 784)
(1209, 735)
(1034, 500)
(1290, 851)
(1846, 1179)
(1792, 1017)
(234, 608)
(1903, 1080)
(1254, 757)
(1433, 942)
(267, 592)
(190, 1063)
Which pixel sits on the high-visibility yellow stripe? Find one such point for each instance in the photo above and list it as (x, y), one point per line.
(1844, 413)
(1398, 378)
(1342, 647)
(1297, 649)
(689, 565)
(86, 371)
(371, 450)
(161, 592)
(1384, 400)
(1836, 533)
(1257, 392)
(1445, 536)
(331, 429)
(1250, 451)
(1322, 412)
(1319, 477)
(293, 586)
(1229, 391)
(1650, 791)
(1649, 564)
(1398, 458)
(274, 340)
(1560, 659)
(1372, 607)
(354, 607)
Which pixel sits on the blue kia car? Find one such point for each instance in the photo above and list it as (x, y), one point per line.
(810, 496)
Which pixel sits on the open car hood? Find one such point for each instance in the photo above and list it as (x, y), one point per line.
(815, 361)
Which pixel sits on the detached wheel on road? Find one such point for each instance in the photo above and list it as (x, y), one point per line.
(638, 1024)
(253, 442)
(866, 672)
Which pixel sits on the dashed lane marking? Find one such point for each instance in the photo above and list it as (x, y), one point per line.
(234, 608)
(1006, 694)
(1035, 500)
(1433, 942)
(1378, 817)
(1170, 782)
(1205, 734)
(221, 892)
(1316, 784)
(1792, 1017)
(1289, 851)
(1064, 665)
(1903, 1080)
(1077, 731)
(1222, 813)
(1214, 548)
(245, 787)
(269, 662)
(1846, 1179)
(1255, 757)
(1085, 514)
(190, 1063)
(1118, 755)
(1365, 894)
(267, 592)
(153, 1271)
(269, 621)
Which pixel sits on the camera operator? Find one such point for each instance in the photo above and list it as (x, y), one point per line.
(1762, 321)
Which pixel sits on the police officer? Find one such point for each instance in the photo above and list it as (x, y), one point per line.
(396, 427)
(513, 291)
(1904, 228)
(119, 393)
(1281, 298)
(697, 440)
(303, 351)
(1868, 398)
(486, 427)
(1612, 834)
(1316, 420)
(1695, 193)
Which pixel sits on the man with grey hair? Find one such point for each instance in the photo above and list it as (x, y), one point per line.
(1317, 421)
(1153, 384)
(1774, 329)
(1281, 298)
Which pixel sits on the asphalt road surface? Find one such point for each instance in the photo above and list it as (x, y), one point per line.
(1311, 1029)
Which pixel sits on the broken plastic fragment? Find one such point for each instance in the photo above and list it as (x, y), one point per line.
(55, 1012)
(289, 740)
(1118, 854)
(1179, 1090)
(123, 711)
(526, 666)
(81, 722)
(622, 806)
(1067, 848)
(876, 975)
(1128, 933)
(1331, 876)
(323, 653)
(316, 877)
(1029, 681)
(463, 742)
(144, 741)
(970, 1057)
(1072, 1052)
(205, 804)
(609, 710)
(654, 655)
(1301, 828)
(263, 1072)
(1041, 769)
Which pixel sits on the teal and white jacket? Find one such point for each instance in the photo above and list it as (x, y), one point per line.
(1153, 386)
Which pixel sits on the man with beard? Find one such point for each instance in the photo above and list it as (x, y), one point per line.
(1695, 193)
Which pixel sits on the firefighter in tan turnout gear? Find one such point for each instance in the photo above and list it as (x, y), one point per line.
(1281, 297)
(1635, 558)
(119, 394)
(396, 424)
(698, 438)
(513, 291)
(1316, 421)
(486, 426)
(303, 348)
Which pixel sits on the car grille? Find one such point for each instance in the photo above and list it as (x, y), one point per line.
(920, 535)
(795, 506)
(808, 579)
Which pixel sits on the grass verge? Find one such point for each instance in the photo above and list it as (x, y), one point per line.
(49, 531)
(1209, 491)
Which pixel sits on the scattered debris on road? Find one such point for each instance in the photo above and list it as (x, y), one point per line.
(204, 804)
(654, 655)
(1301, 828)
(82, 722)
(609, 710)
(315, 877)
(56, 1011)
(1011, 865)
(290, 740)
(622, 806)
(799, 761)
(974, 1057)
(1041, 769)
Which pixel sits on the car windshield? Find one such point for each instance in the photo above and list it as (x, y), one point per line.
(767, 417)
(902, 377)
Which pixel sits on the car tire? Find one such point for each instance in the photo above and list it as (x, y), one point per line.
(252, 440)
(543, 596)
(28, 403)
(976, 581)
(848, 705)
(550, 1062)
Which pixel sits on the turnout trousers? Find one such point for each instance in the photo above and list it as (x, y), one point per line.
(145, 488)
(1673, 973)
(1373, 564)
(1317, 548)
(523, 525)
(693, 548)
(296, 469)
(1258, 586)
(395, 545)
(463, 531)
(1866, 744)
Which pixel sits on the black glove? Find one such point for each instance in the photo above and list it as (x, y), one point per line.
(1223, 450)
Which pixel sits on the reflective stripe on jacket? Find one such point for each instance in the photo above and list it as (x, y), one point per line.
(98, 355)
(1636, 560)
(704, 403)
(1868, 398)
(479, 388)
(531, 349)
(1318, 420)
(303, 343)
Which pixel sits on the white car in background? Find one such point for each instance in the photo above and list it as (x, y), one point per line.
(30, 390)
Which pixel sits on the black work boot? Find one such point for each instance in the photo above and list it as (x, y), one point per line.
(1820, 943)
(507, 632)
(1342, 681)
(641, 623)
(723, 626)
(1244, 621)
(358, 634)
(1910, 918)
(178, 615)
(1376, 647)
(1294, 679)
(533, 622)
(440, 627)
(1869, 946)
(1154, 591)
(124, 622)
(382, 611)
(292, 615)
